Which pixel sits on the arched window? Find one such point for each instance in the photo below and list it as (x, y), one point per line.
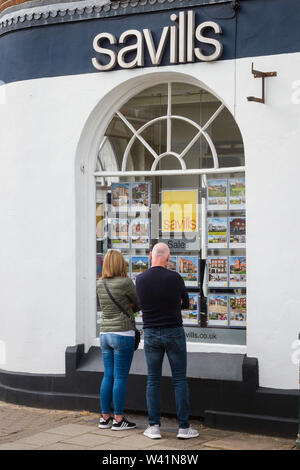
(174, 120)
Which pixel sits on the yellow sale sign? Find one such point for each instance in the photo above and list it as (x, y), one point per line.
(180, 210)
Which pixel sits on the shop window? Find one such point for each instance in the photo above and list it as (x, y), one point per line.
(199, 210)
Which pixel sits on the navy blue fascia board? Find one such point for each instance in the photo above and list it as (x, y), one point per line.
(261, 27)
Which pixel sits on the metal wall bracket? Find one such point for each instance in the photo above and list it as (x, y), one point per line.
(262, 75)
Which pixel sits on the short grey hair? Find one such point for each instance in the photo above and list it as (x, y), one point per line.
(160, 250)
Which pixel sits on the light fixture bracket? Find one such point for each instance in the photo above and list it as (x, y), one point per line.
(262, 75)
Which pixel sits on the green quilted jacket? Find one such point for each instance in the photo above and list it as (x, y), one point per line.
(123, 290)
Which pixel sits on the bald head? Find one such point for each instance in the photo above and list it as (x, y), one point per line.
(160, 255)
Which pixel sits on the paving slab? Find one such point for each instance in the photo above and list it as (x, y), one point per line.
(115, 434)
(114, 446)
(162, 447)
(62, 446)
(140, 442)
(250, 442)
(70, 430)
(188, 444)
(40, 439)
(88, 440)
(18, 421)
(16, 446)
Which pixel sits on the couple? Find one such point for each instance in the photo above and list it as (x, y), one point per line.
(160, 294)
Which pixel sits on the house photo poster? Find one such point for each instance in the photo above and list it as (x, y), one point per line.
(190, 315)
(237, 271)
(217, 310)
(99, 220)
(238, 310)
(217, 271)
(139, 264)
(120, 233)
(217, 232)
(172, 263)
(188, 268)
(120, 195)
(216, 194)
(140, 196)
(237, 193)
(99, 265)
(140, 233)
(128, 263)
(237, 232)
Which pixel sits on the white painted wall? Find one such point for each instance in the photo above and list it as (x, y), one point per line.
(271, 136)
(49, 133)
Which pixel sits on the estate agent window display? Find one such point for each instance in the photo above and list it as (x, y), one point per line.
(213, 264)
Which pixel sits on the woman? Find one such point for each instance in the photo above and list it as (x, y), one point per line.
(117, 338)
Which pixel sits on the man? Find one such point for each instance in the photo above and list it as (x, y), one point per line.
(162, 294)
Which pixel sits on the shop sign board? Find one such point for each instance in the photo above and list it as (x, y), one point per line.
(179, 211)
(216, 335)
(184, 40)
(177, 245)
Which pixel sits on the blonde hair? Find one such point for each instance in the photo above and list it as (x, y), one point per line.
(114, 265)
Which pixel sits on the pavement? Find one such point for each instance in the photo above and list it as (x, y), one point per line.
(24, 428)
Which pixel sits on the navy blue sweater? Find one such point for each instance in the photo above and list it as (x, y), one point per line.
(160, 292)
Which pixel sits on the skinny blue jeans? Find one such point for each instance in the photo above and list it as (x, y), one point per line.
(117, 354)
(157, 342)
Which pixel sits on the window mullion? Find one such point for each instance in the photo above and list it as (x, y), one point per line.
(137, 135)
(213, 117)
(169, 122)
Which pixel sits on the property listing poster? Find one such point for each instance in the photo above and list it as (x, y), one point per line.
(237, 271)
(140, 233)
(99, 220)
(217, 232)
(139, 264)
(237, 310)
(188, 268)
(140, 196)
(120, 193)
(217, 271)
(99, 265)
(128, 263)
(237, 193)
(172, 263)
(217, 308)
(120, 233)
(179, 211)
(237, 232)
(190, 315)
(216, 194)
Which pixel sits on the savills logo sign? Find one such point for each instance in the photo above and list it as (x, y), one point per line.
(184, 40)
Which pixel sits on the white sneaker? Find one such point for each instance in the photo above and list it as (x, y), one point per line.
(187, 433)
(153, 432)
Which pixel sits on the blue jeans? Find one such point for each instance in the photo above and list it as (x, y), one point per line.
(157, 342)
(117, 354)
